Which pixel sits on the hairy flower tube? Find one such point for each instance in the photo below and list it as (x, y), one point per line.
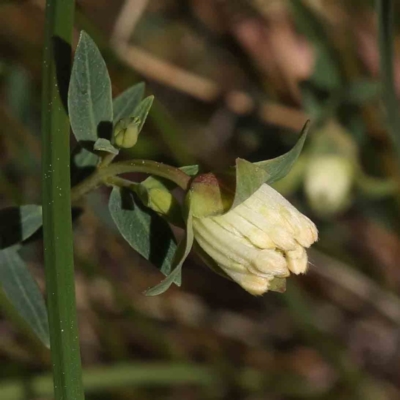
(261, 239)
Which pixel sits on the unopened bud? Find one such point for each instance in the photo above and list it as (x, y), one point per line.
(126, 132)
(328, 184)
(330, 171)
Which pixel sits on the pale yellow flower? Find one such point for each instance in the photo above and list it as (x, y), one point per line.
(261, 239)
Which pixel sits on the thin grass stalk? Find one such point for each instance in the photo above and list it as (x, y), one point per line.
(57, 224)
(385, 12)
(116, 377)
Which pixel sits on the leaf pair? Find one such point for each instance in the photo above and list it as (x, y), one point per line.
(92, 111)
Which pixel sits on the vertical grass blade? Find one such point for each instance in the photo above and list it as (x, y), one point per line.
(386, 36)
(57, 225)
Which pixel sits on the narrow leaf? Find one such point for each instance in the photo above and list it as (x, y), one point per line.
(89, 96)
(249, 177)
(19, 223)
(142, 110)
(279, 167)
(180, 256)
(143, 229)
(105, 145)
(125, 104)
(23, 292)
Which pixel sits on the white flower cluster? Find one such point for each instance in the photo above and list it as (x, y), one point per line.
(261, 239)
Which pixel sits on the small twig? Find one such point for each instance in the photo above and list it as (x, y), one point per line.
(127, 19)
(103, 175)
(120, 182)
(107, 160)
(206, 90)
(385, 12)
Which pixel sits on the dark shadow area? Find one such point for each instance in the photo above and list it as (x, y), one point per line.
(160, 231)
(104, 130)
(83, 163)
(10, 227)
(63, 60)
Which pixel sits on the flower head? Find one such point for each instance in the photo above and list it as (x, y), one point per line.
(259, 240)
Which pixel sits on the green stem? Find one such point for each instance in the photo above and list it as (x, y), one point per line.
(144, 166)
(116, 377)
(386, 35)
(57, 225)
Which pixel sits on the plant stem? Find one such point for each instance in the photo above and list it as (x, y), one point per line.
(145, 166)
(386, 35)
(57, 225)
(98, 380)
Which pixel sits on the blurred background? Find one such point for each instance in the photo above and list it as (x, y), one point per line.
(232, 78)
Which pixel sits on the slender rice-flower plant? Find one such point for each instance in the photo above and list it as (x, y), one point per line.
(240, 226)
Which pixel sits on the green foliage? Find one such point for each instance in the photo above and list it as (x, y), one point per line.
(89, 97)
(180, 255)
(279, 167)
(126, 103)
(105, 145)
(142, 110)
(19, 223)
(143, 229)
(23, 292)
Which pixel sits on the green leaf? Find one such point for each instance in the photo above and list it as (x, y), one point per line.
(249, 177)
(279, 167)
(23, 292)
(125, 104)
(89, 97)
(142, 110)
(142, 228)
(105, 145)
(191, 170)
(18, 224)
(183, 250)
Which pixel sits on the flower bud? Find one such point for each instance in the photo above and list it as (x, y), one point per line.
(126, 132)
(261, 239)
(330, 171)
(156, 196)
(328, 183)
